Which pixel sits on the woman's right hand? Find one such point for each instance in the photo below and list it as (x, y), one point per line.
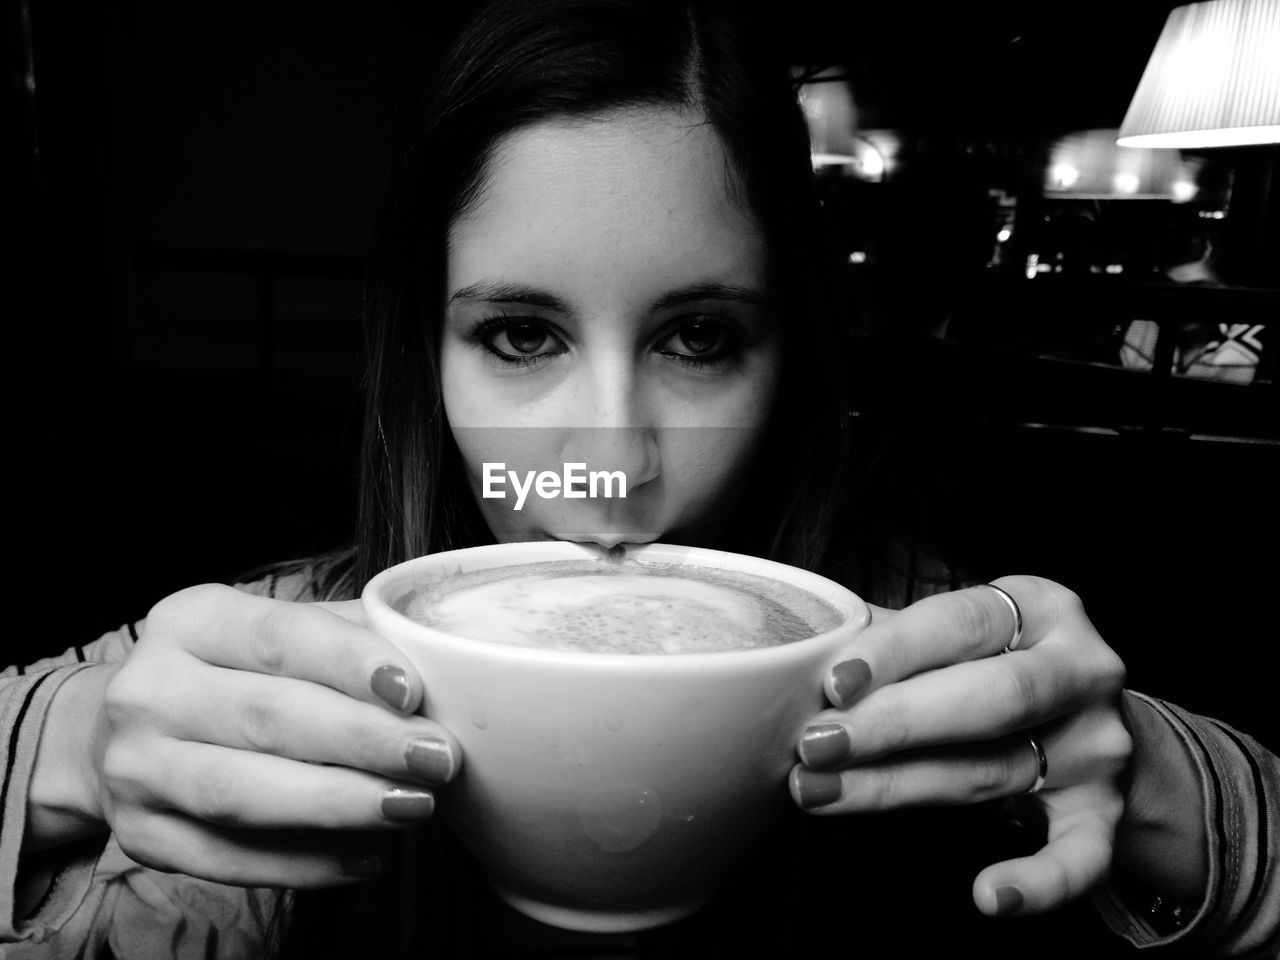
(255, 741)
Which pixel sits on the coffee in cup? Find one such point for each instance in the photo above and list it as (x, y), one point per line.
(603, 606)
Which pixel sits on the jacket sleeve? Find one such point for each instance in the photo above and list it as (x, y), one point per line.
(88, 891)
(1240, 914)
(25, 695)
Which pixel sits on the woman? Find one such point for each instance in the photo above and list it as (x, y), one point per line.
(601, 243)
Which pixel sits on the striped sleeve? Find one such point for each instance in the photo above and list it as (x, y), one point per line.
(1240, 914)
(25, 695)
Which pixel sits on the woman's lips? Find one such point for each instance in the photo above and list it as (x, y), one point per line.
(607, 540)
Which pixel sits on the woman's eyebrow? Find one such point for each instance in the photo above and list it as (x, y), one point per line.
(497, 291)
(710, 290)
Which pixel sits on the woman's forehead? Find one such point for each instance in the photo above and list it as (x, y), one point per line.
(636, 191)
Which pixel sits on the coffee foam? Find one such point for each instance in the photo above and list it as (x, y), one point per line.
(629, 607)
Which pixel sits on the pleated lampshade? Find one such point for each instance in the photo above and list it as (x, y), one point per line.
(1213, 79)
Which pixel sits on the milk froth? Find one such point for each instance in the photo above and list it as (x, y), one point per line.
(630, 607)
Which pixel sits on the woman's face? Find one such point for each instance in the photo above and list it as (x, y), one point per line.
(606, 306)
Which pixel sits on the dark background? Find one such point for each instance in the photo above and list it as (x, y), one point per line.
(187, 193)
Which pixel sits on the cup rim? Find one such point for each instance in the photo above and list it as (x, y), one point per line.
(856, 612)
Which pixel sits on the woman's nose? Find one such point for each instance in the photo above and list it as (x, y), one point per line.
(629, 450)
(616, 431)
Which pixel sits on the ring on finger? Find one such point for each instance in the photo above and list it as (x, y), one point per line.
(1017, 617)
(1042, 767)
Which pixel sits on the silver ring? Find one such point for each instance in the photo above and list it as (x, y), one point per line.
(1042, 767)
(1017, 617)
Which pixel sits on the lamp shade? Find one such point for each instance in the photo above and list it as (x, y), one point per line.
(1090, 165)
(1213, 79)
(831, 116)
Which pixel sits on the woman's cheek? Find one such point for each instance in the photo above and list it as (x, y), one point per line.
(704, 468)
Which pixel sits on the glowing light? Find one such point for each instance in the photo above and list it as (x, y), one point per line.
(1183, 190)
(1115, 268)
(1033, 261)
(1088, 164)
(858, 256)
(871, 162)
(1064, 175)
(1126, 182)
(1004, 235)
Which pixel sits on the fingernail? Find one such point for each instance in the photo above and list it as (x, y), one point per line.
(823, 744)
(817, 789)
(407, 803)
(429, 758)
(369, 865)
(1008, 900)
(849, 680)
(391, 685)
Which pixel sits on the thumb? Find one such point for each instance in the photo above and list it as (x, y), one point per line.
(1082, 828)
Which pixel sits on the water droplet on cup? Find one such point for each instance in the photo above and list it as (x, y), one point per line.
(621, 817)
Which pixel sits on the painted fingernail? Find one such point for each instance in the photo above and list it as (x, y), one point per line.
(407, 803)
(369, 865)
(816, 789)
(391, 684)
(823, 744)
(1008, 900)
(849, 680)
(429, 758)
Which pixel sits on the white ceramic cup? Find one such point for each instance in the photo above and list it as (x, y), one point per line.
(612, 791)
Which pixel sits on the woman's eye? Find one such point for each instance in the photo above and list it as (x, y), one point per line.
(524, 338)
(519, 341)
(699, 342)
(700, 338)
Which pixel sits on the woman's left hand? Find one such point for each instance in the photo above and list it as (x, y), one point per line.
(927, 712)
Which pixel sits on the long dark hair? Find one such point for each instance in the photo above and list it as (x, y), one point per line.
(517, 63)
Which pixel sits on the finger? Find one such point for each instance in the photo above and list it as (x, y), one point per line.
(979, 700)
(305, 721)
(237, 788)
(943, 629)
(351, 610)
(301, 640)
(1082, 826)
(927, 778)
(173, 843)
